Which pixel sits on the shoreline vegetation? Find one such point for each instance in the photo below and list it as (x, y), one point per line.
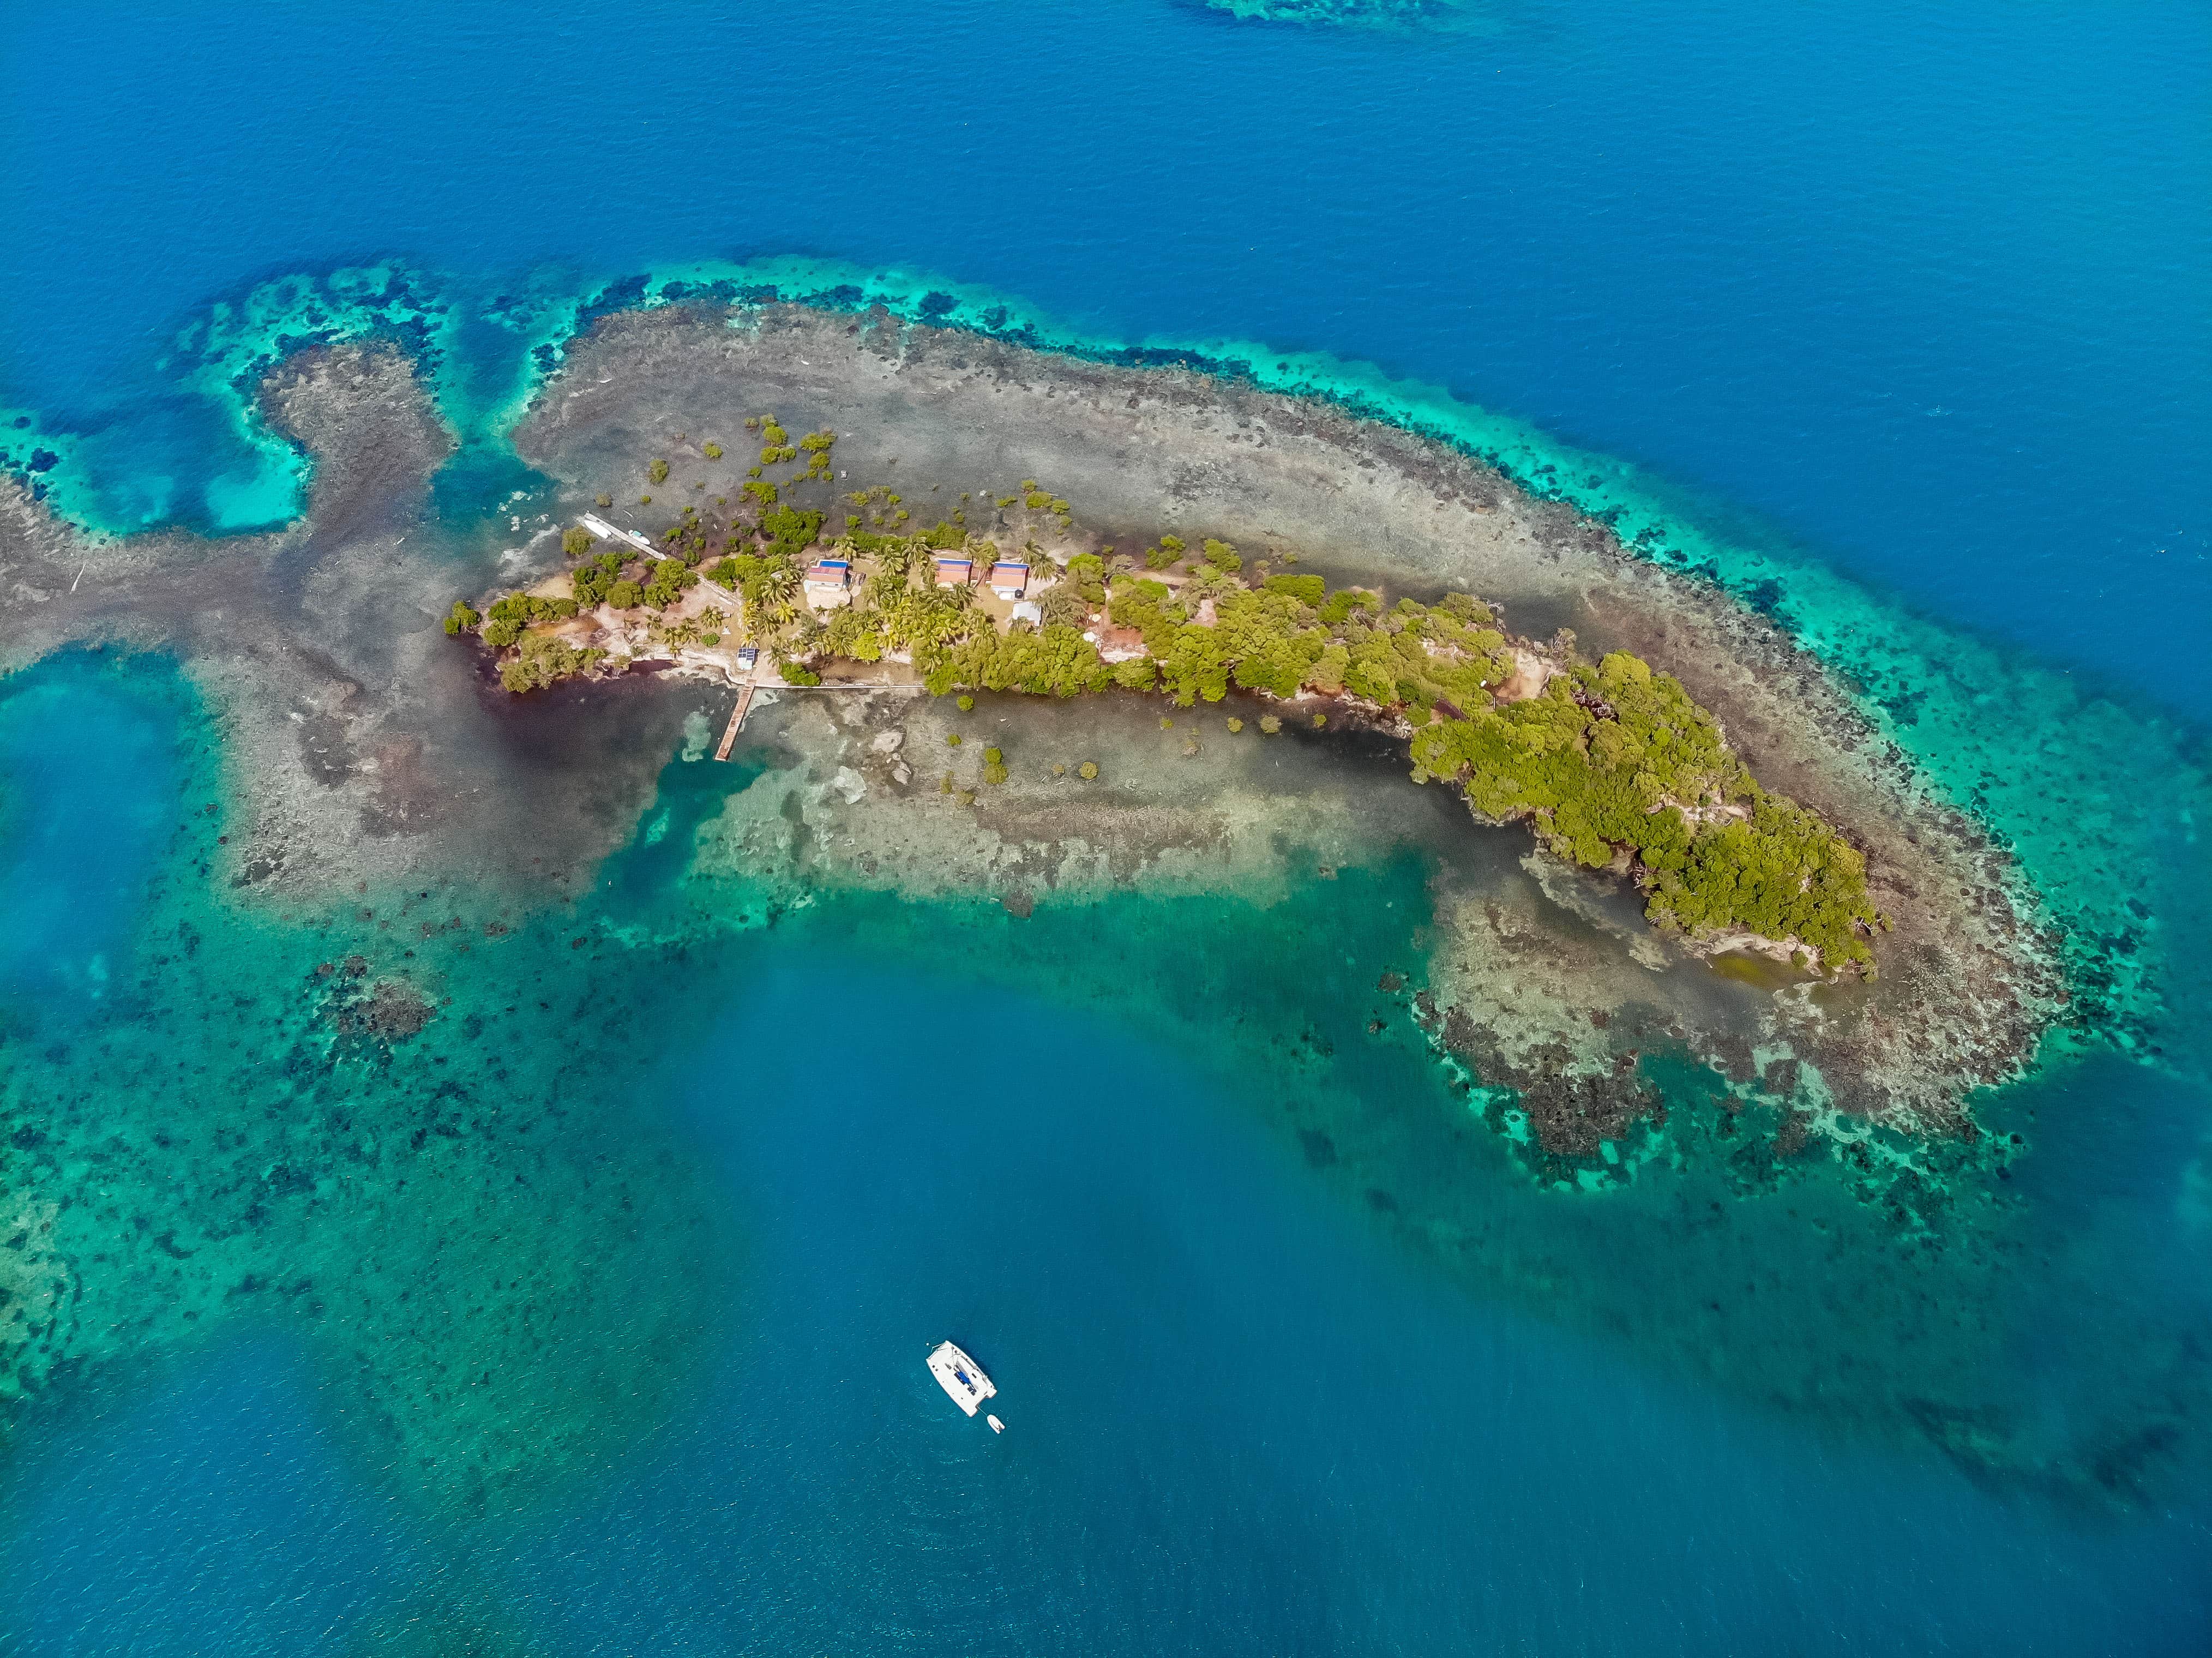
(1611, 762)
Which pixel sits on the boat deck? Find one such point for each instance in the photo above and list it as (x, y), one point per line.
(961, 1376)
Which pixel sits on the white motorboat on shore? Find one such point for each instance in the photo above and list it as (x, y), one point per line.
(961, 1376)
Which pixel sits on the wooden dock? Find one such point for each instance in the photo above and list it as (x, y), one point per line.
(745, 702)
(737, 722)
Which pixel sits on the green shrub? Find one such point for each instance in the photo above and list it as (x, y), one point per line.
(1270, 724)
(1086, 573)
(576, 541)
(625, 595)
(798, 673)
(790, 532)
(1610, 757)
(670, 579)
(543, 660)
(1051, 661)
(713, 452)
(952, 741)
(461, 618)
(965, 704)
(604, 501)
(658, 472)
(522, 609)
(1343, 603)
(1222, 555)
(1088, 771)
(1063, 605)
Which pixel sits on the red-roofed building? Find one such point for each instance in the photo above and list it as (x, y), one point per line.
(829, 582)
(1010, 580)
(954, 572)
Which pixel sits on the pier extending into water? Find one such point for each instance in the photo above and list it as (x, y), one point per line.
(746, 702)
(736, 722)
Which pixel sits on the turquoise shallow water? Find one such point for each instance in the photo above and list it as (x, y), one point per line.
(590, 1320)
(1145, 1160)
(90, 782)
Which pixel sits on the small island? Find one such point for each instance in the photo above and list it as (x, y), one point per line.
(1611, 762)
(1262, 559)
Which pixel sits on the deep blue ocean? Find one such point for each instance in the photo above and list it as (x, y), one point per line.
(1919, 292)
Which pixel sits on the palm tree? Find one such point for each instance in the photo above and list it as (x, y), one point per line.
(778, 587)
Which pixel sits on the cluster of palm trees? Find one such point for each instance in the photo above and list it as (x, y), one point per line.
(895, 606)
(775, 602)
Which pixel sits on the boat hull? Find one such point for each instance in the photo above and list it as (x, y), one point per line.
(961, 1376)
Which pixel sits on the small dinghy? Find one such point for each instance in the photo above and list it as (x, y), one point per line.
(997, 1426)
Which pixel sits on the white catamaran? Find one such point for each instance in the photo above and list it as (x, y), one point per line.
(963, 1379)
